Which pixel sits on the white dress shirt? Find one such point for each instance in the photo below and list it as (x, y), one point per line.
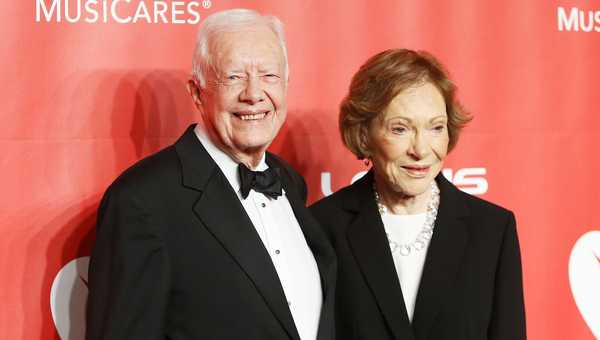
(276, 224)
(404, 229)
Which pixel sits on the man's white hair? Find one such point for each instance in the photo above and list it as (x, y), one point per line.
(230, 21)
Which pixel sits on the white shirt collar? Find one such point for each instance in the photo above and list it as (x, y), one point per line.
(228, 165)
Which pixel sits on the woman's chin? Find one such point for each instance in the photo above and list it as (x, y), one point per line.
(413, 187)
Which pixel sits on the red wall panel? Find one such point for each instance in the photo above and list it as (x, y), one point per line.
(83, 101)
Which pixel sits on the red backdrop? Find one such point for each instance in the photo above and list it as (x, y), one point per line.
(85, 96)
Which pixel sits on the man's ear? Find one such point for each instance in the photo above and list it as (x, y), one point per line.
(194, 91)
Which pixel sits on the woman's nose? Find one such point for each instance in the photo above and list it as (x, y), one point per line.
(419, 146)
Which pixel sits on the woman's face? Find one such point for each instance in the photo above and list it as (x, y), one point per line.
(409, 142)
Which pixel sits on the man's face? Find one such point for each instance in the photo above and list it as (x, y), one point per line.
(244, 99)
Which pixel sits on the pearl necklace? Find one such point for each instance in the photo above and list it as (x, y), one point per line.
(426, 232)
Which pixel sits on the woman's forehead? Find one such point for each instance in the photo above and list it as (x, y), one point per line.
(417, 102)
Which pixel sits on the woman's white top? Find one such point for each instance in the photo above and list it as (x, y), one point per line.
(404, 229)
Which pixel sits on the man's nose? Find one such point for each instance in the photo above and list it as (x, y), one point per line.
(252, 92)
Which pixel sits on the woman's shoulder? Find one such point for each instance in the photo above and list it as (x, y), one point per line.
(332, 202)
(475, 204)
(480, 206)
(483, 218)
(334, 212)
(487, 220)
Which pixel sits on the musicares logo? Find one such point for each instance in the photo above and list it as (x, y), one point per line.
(68, 297)
(469, 180)
(584, 277)
(586, 21)
(120, 11)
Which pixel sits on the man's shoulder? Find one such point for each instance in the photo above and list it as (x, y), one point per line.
(281, 163)
(160, 167)
(296, 179)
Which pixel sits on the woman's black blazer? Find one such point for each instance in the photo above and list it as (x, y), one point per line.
(471, 287)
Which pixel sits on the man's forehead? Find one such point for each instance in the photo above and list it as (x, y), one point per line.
(249, 35)
(257, 44)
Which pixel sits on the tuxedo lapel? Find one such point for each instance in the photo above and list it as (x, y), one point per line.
(369, 244)
(443, 257)
(221, 212)
(317, 241)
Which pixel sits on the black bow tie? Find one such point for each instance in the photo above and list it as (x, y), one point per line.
(267, 182)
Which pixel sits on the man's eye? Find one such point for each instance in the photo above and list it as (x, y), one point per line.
(234, 77)
(271, 77)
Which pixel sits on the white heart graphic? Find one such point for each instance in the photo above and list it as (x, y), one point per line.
(68, 297)
(584, 276)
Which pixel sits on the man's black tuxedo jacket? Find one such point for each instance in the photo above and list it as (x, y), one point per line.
(471, 287)
(177, 257)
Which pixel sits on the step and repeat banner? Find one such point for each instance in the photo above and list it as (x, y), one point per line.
(90, 86)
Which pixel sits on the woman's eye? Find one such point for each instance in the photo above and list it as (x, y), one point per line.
(399, 129)
(439, 128)
(233, 77)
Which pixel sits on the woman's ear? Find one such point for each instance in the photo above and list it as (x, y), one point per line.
(363, 139)
(194, 91)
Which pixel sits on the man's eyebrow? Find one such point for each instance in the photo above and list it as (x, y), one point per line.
(232, 71)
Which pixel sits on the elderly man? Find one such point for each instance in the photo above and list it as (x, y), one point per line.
(210, 238)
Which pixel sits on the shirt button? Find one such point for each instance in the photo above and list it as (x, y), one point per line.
(277, 252)
(263, 205)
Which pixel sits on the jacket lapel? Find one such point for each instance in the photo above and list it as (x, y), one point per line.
(315, 236)
(444, 257)
(369, 244)
(223, 215)
(317, 241)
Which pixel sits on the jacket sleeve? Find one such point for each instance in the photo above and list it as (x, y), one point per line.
(128, 273)
(508, 314)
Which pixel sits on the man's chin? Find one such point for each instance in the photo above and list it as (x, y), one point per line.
(252, 147)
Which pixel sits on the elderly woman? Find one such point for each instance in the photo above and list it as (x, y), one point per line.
(418, 258)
